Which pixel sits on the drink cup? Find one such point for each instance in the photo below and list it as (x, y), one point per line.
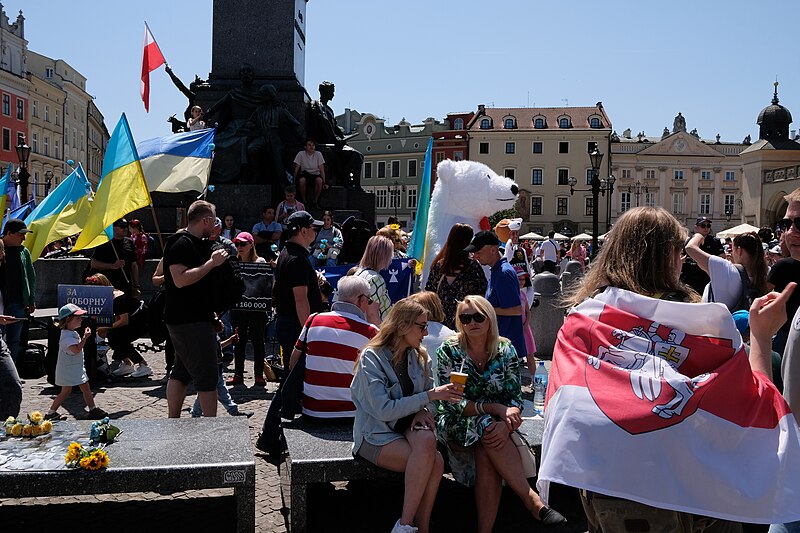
(460, 379)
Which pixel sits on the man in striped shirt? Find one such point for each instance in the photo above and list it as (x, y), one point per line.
(332, 341)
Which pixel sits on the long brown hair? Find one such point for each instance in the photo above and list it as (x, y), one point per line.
(639, 256)
(750, 243)
(398, 321)
(452, 256)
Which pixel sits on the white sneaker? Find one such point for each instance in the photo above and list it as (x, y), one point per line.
(399, 528)
(142, 372)
(123, 370)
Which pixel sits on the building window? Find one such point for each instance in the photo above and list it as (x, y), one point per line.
(591, 146)
(367, 170)
(6, 139)
(509, 173)
(394, 198)
(395, 169)
(650, 199)
(626, 173)
(6, 105)
(458, 156)
(589, 209)
(47, 147)
(563, 122)
(678, 203)
(730, 201)
(58, 118)
(563, 147)
(536, 176)
(562, 206)
(705, 174)
(412, 168)
(381, 198)
(563, 176)
(589, 176)
(20, 138)
(35, 109)
(35, 143)
(650, 174)
(678, 175)
(536, 205)
(511, 148)
(538, 123)
(705, 204)
(411, 197)
(381, 169)
(486, 124)
(483, 148)
(538, 147)
(56, 149)
(624, 201)
(439, 157)
(20, 109)
(458, 124)
(508, 123)
(730, 175)
(48, 72)
(595, 123)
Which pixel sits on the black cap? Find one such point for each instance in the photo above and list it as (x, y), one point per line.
(121, 223)
(15, 225)
(702, 219)
(301, 219)
(481, 239)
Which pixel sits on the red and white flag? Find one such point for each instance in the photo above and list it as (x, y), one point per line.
(641, 409)
(152, 58)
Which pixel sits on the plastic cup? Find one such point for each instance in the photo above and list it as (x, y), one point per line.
(459, 378)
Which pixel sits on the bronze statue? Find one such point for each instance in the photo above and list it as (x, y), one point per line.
(679, 124)
(190, 93)
(343, 162)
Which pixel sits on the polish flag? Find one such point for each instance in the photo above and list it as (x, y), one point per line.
(152, 58)
(655, 401)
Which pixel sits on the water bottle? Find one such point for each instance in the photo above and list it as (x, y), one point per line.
(539, 387)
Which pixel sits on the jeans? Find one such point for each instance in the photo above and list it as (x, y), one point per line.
(791, 527)
(252, 325)
(288, 330)
(10, 387)
(14, 331)
(227, 332)
(224, 396)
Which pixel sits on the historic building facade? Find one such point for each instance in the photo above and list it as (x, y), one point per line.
(14, 87)
(45, 163)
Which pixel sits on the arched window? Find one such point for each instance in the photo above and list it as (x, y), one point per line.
(595, 123)
(508, 123)
(563, 122)
(538, 123)
(486, 124)
(458, 124)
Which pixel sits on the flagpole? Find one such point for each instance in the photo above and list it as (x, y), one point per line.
(127, 281)
(158, 228)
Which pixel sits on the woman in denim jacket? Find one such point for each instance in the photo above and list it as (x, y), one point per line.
(394, 428)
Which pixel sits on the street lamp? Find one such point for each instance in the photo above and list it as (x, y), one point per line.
(48, 180)
(728, 212)
(397, 187)
(610, 182)
(598, 186)
(23, 152)
(637, 189)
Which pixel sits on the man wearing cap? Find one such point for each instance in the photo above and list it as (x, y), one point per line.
(116, 260)
(691, 273)
(18, 283)
(503, 290)
(296, 295)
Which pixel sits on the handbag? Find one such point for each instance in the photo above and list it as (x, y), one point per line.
(292, 387)
(525, 454)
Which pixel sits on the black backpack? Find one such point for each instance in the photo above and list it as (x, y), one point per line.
(748, 295)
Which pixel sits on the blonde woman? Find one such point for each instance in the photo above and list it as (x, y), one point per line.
(578, 253)
(392, 390)
(377, 256)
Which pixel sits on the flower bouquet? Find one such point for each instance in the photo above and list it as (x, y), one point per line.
(35, 425)
(89, 458)
(102, 431)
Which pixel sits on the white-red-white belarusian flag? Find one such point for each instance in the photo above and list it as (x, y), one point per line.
(655, 401)
(152, 58)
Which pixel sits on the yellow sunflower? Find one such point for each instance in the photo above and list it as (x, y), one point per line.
(36, 417)
(16, 429)
(47, 426)
(26, 430)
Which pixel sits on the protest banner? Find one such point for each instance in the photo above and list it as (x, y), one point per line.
(97, 301)
(258, 278)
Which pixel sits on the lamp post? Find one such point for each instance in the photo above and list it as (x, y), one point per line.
(48, 180)
(399, 188)
(23, 152)
(598, 186)
(637, 189)
(610, 182)
(728, 212)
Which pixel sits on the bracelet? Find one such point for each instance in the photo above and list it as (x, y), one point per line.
(479, 408)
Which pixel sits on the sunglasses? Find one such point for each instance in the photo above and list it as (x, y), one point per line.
(370, 301)
(241, 244)
(422, 327)
(466, 318)
(786, 223)
(704, 225)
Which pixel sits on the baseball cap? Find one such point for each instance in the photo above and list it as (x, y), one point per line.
(68, 310)
(15, 225)
(702, 219)
(301, 219)
(121, 223)
(742, 320)
(244, 236)
(481, 239)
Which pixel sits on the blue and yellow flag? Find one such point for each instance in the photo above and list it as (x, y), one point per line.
(4, 181)
(122, 188)
(62, 213)
(416, 248)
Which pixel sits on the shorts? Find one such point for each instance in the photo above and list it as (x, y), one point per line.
(195, 355)
(370, 452)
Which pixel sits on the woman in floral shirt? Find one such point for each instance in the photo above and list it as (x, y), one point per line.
(454, 274)
(377, 256)
(477, 429)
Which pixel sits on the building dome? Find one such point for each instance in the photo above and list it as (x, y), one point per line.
(774, 120)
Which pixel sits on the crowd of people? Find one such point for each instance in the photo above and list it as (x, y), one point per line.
(385, 367)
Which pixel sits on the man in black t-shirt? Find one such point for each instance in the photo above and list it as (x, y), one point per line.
(296, 295)
(116, 260)
(788, 269)
(691, 273)
(188, 311)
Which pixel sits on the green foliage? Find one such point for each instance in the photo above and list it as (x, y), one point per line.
(500, 215)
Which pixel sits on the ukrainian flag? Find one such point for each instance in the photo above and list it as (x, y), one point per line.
(417, 246)
(62, 213)
(4, 190)
(122, 188)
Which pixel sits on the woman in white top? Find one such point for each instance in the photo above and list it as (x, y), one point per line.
(377, 256)
(726, 285)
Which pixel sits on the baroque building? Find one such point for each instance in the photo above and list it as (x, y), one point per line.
(14, 87)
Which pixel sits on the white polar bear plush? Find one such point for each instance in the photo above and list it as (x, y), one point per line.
(466, 192)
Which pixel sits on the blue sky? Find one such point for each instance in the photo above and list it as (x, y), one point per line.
(713, 61)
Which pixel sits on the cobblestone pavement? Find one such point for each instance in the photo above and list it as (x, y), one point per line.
(353, 507)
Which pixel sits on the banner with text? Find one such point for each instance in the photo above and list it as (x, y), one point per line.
(257, 279)
(97, 301)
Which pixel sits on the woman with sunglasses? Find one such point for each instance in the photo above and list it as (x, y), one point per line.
(392, 390)
(377, 256)
(248, 324)
(477, 429)
(727, 279)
